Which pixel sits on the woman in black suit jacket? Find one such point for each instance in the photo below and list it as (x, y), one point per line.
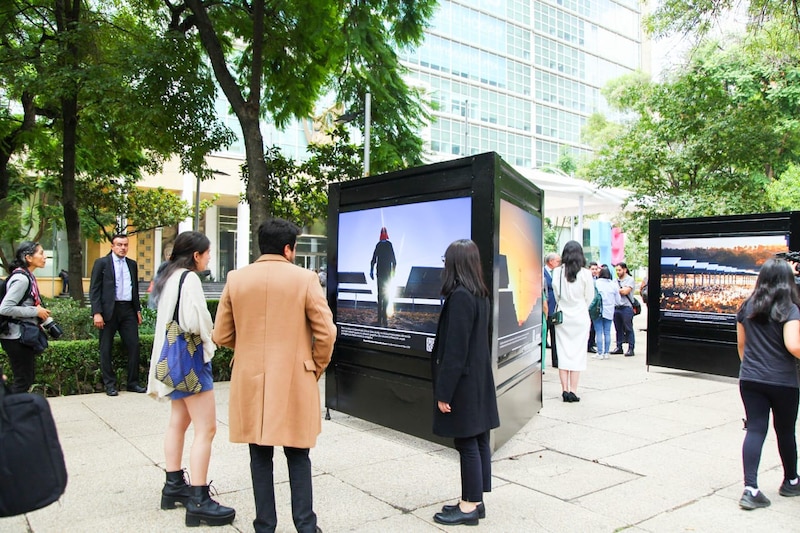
(463, 386)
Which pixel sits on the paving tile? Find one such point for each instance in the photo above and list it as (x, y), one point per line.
(643, 425)
(587, 442)
(679, 466)
(719, 514)
(559, 475)
(409, 482)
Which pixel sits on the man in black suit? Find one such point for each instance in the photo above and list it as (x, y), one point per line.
(551, 261)
(114, 295)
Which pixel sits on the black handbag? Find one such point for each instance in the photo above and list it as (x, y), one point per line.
(636, 304)
(32, 336)
(32, 469)
(557, 317)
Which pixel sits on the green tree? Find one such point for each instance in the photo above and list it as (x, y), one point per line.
(278, 59)
(707, 141)
(109, 95)
(784, 192)
(112, 205)
(700, 16)
(300, 189)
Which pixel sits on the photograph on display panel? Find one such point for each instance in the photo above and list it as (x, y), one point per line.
(389, 270)
(705, 280)
(519, 268)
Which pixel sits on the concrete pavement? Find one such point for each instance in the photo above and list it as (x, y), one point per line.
(644, 451)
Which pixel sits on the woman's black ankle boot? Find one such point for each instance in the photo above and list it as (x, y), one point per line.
(175, 490)
(202, 508)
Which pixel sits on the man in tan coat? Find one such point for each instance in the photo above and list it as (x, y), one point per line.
(274, 315)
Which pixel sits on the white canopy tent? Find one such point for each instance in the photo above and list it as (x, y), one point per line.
(565, 196)
(568, 197)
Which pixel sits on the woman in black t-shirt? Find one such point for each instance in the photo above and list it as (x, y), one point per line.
(768, 341)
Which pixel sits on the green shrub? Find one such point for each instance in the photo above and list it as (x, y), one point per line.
(149, 316)
(212, 308)
(73, 366)
(73, 317)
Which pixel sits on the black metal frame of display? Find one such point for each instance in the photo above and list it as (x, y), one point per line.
(390, 385)
(695, 344)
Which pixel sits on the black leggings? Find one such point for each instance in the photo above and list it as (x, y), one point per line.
(22, 362)
(758, 399)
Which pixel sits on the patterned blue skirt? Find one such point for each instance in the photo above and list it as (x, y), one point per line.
(206, 379)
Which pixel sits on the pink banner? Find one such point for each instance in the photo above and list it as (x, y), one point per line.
(617, 246)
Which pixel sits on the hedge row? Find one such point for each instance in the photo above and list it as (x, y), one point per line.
(73, 366)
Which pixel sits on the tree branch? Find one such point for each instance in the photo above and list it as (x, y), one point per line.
(213, 47)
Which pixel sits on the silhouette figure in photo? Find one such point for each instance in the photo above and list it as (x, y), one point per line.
(383, 258)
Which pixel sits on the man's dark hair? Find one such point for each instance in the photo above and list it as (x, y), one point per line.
(275, 233)
(118, 236)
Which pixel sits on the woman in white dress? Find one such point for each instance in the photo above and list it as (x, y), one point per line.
(574, 291)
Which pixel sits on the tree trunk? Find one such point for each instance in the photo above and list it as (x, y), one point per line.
(69, 201)
(257, 193)
(67, 16)
(247, 110)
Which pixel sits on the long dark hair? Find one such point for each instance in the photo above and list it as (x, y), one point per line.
(462, 266)
(24, 249)
(183, 249)
(572, 260)
(775, 293)
(605, 273)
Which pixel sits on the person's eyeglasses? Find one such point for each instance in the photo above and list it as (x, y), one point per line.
(442, 259)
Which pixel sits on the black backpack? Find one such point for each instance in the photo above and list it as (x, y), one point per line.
(4, 320)
(32, 469)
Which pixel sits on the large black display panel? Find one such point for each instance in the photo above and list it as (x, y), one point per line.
(701, 270)
(387, 236)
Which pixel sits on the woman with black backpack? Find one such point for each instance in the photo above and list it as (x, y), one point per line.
(22, 303)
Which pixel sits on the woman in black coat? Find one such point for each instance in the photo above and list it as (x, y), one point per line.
(463, 386)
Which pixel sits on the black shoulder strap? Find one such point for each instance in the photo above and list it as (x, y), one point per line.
(29, 291)
(178, 303)
(628, 296)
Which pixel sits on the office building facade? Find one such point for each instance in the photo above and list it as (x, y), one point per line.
(521, 77)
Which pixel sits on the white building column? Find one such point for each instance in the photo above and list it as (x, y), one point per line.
(212, 232)
(158, 249)
(242, 235)
(187, 195)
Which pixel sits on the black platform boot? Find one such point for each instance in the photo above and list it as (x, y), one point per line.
(202, 508)
(175, 490)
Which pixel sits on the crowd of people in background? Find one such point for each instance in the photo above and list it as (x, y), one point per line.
(570, 286)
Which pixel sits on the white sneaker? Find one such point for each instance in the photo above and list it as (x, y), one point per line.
(605, 356)
(597, 356)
